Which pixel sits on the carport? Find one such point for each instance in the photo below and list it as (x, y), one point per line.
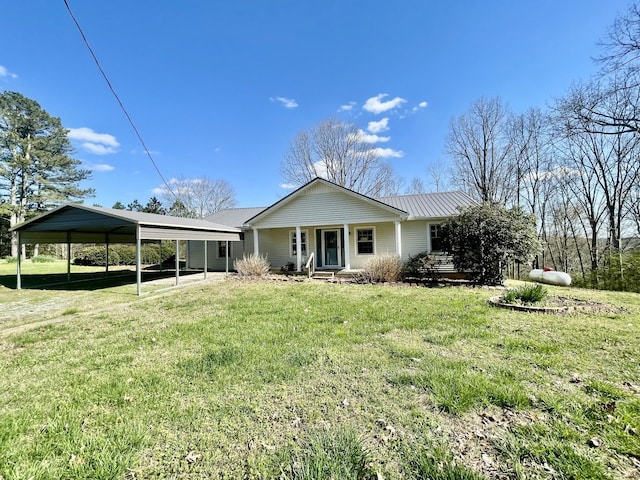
(73, 223)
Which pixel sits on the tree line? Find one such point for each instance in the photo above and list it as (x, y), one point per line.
(575, 165)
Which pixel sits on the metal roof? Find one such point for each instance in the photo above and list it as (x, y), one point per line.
(81, 223)
(430, 205)
(424, 205)
(235, 217)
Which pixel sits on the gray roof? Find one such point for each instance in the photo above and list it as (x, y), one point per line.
(424, 205)
(138, 218)
(235, 217)
(430, 205)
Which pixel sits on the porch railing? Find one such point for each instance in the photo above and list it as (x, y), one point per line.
(311, 265)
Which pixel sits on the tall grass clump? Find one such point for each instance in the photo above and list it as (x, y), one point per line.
(338, 454)
(382, 268)
(526, 294)
(252, 265)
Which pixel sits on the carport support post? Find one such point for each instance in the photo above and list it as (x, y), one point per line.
(138, 260)
(68, 256)
(205, 260)
(227, 251)
(177, 262)
(18, 264)
(106, 268)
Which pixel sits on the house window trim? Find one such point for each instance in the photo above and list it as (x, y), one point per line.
(292, 236)
(357, 246)
(219, 243)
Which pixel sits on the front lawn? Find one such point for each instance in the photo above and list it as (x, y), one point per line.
(310, 381)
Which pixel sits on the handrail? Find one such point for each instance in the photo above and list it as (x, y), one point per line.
(310, 266)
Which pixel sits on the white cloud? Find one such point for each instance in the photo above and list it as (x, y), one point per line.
(371, 138)
(4, 73)
(347, 107)
(286, 102)
(99, 167)
(380, 126)
(93, 142)
(420, 106)
(288, 186)
(389, 152)
(376, 105)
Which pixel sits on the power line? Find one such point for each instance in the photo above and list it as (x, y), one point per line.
(124, 110)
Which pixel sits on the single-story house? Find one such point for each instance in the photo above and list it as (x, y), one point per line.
(341, 228)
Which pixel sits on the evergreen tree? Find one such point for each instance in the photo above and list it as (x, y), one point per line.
(36, 171)
(154, 206)
(118, 205)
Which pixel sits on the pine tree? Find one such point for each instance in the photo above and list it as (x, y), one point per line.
(36, 171)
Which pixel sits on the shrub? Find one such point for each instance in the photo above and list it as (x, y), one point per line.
(11, 259)
(382, 268)
(482, 239)
(421, 265)
(531, 293)
(252, 265)
(43, 259)
(95, 256)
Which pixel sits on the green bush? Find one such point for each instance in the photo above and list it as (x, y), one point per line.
(482, 239)
(527, 294)
(43, 259)
(11, 259)
(421, 265)
(252, 265)
(382, 268)
(96, 256)
(120, 254)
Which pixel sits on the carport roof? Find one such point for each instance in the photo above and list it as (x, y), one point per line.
(80, 223)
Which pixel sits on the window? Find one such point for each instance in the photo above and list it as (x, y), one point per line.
(436, 240)
(222, 249)
(364, 241)
(303, 243)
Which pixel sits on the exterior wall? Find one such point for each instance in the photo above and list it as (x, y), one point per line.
(415, 239)
(322, 205)
(385, 241)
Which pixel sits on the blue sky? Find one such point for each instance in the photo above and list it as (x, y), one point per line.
(220, 88)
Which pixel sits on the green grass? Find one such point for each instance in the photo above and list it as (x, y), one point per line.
(298, 381)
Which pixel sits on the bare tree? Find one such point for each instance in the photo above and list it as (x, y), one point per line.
(199, 197)
(479, 144)
(339, 152)
(619, 76)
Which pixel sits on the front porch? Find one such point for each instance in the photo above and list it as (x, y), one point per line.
(332, 248)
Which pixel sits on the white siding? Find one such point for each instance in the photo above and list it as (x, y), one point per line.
(414, 238)
(385, 241)
(322, 205)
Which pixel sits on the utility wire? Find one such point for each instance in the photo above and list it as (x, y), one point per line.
(124, 110)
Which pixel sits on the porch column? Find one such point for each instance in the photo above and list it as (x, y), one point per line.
(256, 247)
(346, 247)
(398, 239)
(298, 249)
(205, 260)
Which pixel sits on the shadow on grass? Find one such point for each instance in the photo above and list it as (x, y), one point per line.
(86, 281)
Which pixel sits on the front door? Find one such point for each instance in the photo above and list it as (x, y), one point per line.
(331, 250)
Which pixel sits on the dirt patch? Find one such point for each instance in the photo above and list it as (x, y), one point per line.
(558, 305)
